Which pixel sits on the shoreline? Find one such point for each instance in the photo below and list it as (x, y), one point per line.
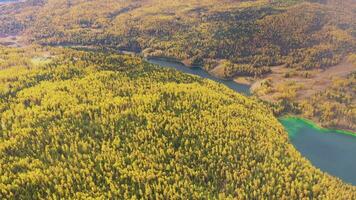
(318, 126)
(243, 80)
(169, 59)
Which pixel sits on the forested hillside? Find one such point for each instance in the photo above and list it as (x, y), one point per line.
(93, 125)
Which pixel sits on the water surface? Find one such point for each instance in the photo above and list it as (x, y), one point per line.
(332, 151)
(241, 88)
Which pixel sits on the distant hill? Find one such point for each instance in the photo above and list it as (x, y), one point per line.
(252, 35)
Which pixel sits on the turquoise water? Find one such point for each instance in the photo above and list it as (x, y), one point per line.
(332, 151)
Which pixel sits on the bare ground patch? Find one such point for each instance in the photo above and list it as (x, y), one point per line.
(12, 41)
(309, 82)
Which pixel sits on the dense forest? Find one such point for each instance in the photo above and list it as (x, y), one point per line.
(227, 38)
(79, 125)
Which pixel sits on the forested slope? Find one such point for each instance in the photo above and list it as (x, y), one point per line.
(104, 126)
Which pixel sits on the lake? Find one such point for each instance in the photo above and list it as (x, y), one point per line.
(332, 151)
